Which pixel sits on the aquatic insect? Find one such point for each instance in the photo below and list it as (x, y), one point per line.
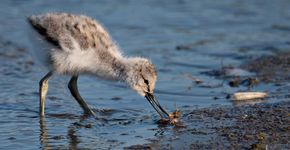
(173, 118)
(76, 44)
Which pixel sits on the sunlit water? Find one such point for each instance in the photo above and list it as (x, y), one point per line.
(214, 33)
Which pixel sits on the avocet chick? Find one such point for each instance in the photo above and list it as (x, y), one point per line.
(76, 44)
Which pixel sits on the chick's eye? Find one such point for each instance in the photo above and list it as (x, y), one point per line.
(146, 81)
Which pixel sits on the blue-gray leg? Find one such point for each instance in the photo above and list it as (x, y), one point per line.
(75, 93)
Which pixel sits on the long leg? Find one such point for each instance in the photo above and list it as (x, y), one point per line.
(43, 88)
(75, 93)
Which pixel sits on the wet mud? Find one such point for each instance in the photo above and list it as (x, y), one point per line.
(275, 68)
(259, 126)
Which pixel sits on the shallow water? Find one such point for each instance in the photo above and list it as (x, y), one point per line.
(181, 37)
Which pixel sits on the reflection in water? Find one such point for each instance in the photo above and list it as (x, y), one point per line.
(43, 137)
(73, 139)
(160, 131)
(248, 102)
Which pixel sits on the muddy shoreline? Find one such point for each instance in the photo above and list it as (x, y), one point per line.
(245, 125)
(258, 126)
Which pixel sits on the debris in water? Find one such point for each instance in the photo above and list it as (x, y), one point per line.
(196, 80)
(240, 96)
(237, 81)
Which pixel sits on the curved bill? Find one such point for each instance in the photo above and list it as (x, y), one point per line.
(155, 104)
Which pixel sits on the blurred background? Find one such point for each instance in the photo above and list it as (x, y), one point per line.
(188, 41)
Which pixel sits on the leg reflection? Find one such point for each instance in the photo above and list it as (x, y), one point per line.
(71, 134)
(73, 139)
(46, 140)
(43, 137)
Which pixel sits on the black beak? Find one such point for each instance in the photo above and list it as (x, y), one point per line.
(155, 104)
